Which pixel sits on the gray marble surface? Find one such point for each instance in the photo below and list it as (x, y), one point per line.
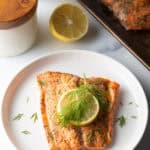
(97, 39)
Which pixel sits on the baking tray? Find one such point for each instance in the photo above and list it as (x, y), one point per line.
(137, 42)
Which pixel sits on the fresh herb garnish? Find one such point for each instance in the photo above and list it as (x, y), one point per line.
(26, 132)
(75, 110)
(34, 117)
(79, 101)
(18, 117)
(91, 138)
(122, 121)
(99, 94)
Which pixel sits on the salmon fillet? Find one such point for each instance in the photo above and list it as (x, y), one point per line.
(52, 86)
(133, 14)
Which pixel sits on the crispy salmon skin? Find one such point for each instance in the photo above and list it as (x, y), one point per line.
(95, 136)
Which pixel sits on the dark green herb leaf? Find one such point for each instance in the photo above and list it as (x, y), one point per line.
(100, 96)
(34, 117)
(122, 121)
(26, 132)
(18, 117)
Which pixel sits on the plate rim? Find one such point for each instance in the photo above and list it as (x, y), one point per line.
(79, 51)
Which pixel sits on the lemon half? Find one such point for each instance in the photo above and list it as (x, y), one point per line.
(91, 111)
(68, 23)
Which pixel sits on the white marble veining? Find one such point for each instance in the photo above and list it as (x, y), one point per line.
(97, 39)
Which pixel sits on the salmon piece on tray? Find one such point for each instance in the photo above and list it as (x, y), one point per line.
(132, 14)
(96, 135)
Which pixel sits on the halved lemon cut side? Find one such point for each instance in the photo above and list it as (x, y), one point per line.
(68, 23)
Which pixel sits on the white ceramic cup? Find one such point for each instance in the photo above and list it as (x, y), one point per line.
(17, 40)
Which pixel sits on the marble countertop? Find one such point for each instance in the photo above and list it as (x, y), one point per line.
(97, 39)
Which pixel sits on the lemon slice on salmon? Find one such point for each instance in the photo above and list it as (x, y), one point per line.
(79, 109)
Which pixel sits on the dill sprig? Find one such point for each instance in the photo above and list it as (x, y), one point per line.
(18, 117)
(75, 109)
(26, 132)
(34, 116)
(122, 121)
(79, 100)
(99, 94)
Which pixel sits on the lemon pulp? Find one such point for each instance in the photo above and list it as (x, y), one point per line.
(90, 113)
(68, 23)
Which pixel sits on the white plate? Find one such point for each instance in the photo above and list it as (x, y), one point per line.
(76, 62)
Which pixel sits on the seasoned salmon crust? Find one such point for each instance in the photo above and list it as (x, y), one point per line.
(132, 14)
(95, 136)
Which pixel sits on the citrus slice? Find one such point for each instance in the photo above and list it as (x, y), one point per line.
(68, 23)
(90, 112)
